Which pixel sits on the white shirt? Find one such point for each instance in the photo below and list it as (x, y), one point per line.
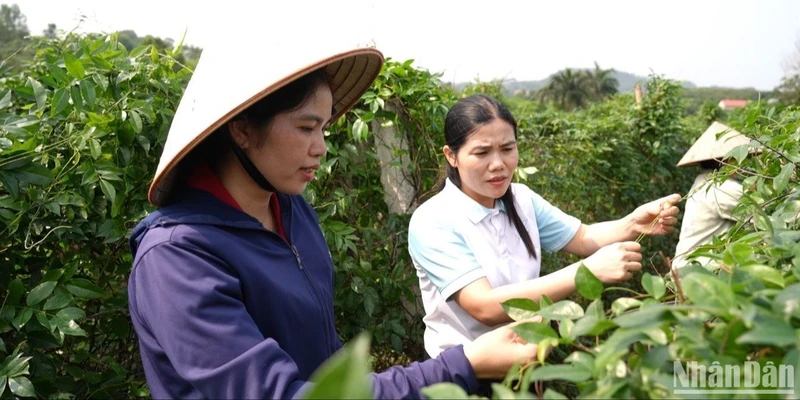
(707, 214)
(454, 241)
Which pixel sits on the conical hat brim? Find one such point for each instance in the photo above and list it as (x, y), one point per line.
(708, 147)
(227, 81)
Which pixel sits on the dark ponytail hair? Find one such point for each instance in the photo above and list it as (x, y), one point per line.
(466, 116)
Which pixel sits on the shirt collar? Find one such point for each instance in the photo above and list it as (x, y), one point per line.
(472, 209)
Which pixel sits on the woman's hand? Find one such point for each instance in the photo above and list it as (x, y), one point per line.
(665, 209)
(616, 262)
(495, 352)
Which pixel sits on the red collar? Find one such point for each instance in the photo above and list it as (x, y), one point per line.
(203, 178)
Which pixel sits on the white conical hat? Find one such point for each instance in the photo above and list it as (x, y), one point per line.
(240, 71)
(709, 147)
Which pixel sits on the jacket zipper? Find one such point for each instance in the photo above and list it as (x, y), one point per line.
(310, 282)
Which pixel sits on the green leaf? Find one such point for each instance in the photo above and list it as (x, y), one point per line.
(15, 291)
(370, 300)
(623, 304)
(14, 365)
(568, 373)
(88, 93)
(139, 50)
(770, 331)
(40, 292)
(500, 391)
(399, 71)
(550, 394)
(70, 328)
(42, 318)
(3, 382)
(782, 179)
(136, 122)
(520, 309)
(21, 386)
(739, 152)
(562, 309)
(645, 317)
(592, 326)
(654, 285)
(657, 335)
(708, 291)
(74, 66)
(53, 274)
(39, 93)
(792, 358)
(60, 101)
(59, 74)
(766, 274)
(84, 289)
(71, 314)
(581, 360)
(2, 350)
(534, 332)
(108, 190)
(153, 54)
(344, 375)
(595, 309)
(565, 327)
(57, 302)
(738, 253)
(587, 284)
(75, 94)
(360, 130)
(443, 391)
(787, 302)
(5, 101)
(616, 346)
(22, 318)
(89, 175)
(144, 142)
(95, 148)
(34, 173)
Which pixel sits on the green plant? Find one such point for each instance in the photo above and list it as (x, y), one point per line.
(80, 131)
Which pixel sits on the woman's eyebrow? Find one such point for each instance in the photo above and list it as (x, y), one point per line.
(313, 117)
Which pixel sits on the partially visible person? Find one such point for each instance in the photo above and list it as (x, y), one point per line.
(479, 241)
(708, 209)
(231, 290)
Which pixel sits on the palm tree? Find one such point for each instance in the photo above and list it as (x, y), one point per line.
(603, 83)
(568, 89)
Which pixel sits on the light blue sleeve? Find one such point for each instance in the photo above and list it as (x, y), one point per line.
(443, 255)
(556, 228)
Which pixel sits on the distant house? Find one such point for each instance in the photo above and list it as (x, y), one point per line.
(730, 104)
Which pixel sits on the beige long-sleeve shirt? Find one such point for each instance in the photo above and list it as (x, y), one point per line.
(707, 214)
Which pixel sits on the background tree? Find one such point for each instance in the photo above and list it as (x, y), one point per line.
(569, 89)
(789, 89)
(13, 34)
(51, 31)
(602, 81)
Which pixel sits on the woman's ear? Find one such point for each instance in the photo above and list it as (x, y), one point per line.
(239, 133)
(450, 156)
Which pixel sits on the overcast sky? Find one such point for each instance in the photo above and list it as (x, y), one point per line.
(734, 43)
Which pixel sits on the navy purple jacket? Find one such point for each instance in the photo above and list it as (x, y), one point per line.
(224, 308)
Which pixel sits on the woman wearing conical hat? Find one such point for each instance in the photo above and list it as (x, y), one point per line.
(709, 208)
(231, 291)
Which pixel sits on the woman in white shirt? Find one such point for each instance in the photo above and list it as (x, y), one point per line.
(477, 243)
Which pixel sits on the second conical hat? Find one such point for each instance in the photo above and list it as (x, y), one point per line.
(710, 147)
